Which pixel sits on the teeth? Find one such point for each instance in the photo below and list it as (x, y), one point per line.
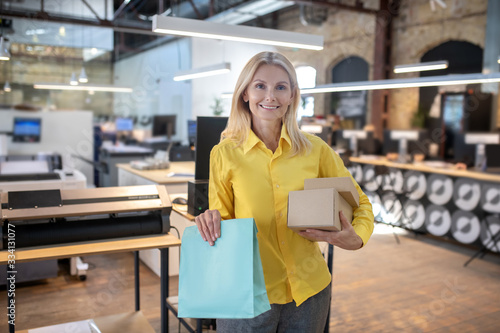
(269, 107)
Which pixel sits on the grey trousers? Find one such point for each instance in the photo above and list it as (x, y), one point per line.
(309, 317)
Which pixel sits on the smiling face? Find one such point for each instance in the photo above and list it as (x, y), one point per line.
(268, 95)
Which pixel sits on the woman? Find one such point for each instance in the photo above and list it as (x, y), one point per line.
(262, 156)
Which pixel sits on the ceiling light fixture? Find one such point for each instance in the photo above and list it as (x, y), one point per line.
(61, 86)
(203, 72)
(4, 53)
(498, 60)
(226, 95)
(6, 87)
(204, 29)
(420, 67)
(83, 76)
(428, 81)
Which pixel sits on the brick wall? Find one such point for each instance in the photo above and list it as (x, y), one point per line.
(416, 30)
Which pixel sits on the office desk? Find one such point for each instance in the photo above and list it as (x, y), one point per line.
(433, 197)
(114, 155)
(161, 242)
(429, 168)
(175, 184)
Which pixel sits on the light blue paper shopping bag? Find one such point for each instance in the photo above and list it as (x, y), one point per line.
(224, 280)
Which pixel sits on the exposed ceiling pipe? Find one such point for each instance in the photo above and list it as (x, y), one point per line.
(324, 3)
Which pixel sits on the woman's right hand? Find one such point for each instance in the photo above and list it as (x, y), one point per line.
(209, 225)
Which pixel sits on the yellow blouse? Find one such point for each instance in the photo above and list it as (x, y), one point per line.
(250, 181)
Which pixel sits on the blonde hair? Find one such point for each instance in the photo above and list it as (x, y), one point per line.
(240, 118)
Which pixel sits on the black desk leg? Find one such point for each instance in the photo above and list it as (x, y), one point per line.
(330, 268)
(137, 282)
(164, 289)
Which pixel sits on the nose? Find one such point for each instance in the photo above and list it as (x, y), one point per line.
(270, 95)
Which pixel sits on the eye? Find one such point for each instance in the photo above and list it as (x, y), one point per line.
(281, 87)
(259, 86)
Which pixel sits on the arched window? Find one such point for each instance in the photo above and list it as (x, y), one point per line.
(306, 77)
(351, 106)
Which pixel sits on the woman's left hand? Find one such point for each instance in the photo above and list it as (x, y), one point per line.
(346, 238)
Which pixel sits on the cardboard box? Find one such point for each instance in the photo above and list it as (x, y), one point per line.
(343, 185)
(319, 204)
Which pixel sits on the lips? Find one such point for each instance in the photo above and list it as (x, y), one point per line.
(268, 107)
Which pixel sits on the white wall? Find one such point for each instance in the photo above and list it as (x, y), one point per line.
(155, 92)
(208, 52)
(66, 133)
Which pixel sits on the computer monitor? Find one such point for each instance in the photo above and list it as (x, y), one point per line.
(481, 140)
(192, 132)
(406, 143)
(164, 125)
(27, 130)
(462, 152)
(493, 156)
(366, 143)
(341, 143)
(208, 131)
(322, 131)
(353, 136)
(124, 124)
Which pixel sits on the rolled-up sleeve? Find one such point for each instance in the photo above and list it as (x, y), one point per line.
(331, 165)
(219, 186)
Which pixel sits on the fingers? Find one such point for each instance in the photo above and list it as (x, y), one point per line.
(209, 225)
(343, 221)
(315, 235)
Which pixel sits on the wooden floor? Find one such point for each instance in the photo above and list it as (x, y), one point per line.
(419, 285)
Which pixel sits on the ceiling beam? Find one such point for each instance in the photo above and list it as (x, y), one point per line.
(196, 11)
(91, 9)
(325, 3)
(145, 29)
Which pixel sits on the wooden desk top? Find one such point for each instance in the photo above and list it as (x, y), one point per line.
(425, 168)
(182, 210)
(59, 251)
(131, 322)
(160, 176)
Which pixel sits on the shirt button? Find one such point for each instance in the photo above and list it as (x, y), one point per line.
(277, 185)
(291, 273)
(281, 214)
(282, 243)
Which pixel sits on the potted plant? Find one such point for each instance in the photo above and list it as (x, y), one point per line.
(217, 106)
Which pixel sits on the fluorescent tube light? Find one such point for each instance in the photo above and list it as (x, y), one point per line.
(423, 66)
(4, 53)
(6, 87)
(203, 72)
(226, 95)
(205, 29)
(429, 81)
(94, 87)
(249, 10)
